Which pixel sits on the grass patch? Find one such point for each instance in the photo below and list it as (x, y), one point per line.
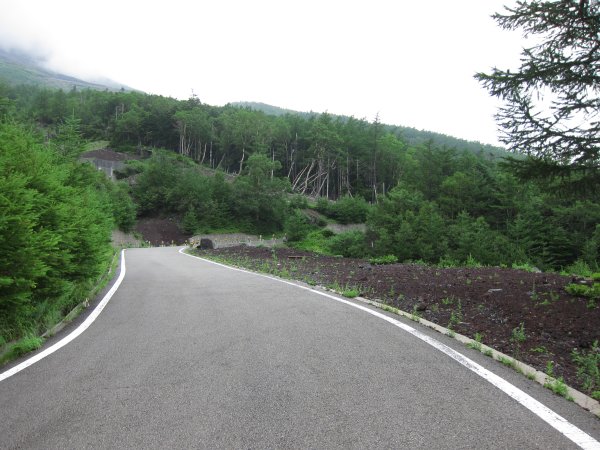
(350, 292)
(381, 260)
(580, 268)
(95, 145)
(592, 293)
(389, 309)
(476, 344)
(21, 347)
(508, 362)
(525, 267)
(518, 337)
(558, 386)
(415, 316)
(65, 308)
(540, 349)
(315, 241)
(588, 367)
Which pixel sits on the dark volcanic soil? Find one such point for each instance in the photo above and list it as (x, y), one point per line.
(160, 231)
(490, 301)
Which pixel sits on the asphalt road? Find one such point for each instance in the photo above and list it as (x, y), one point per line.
(189, 354)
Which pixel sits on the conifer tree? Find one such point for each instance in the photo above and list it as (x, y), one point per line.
(552, 102)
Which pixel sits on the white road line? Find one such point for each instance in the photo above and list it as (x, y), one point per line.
(579, 437)
(76, 332)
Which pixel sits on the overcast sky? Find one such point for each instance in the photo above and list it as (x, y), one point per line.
(411, 62)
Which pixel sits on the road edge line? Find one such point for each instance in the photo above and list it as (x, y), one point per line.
(579, 398)
(75, 333)
(559, 423)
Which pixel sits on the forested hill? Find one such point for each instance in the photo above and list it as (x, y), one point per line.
(425, 202)
(18, 68)
(411, 136)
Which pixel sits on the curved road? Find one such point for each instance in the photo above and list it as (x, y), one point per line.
(189, 354)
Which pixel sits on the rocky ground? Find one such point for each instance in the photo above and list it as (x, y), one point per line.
(493, 302)
(159, 231)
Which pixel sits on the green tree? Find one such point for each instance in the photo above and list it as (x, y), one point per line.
(257, 197)
(153, 186)
(350, 244)
(123, 208)
(297, 227)
(473, 238)
(54, 230)
(349, 210)
(551, 101)
(68, 141)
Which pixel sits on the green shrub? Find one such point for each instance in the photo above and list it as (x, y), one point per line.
(327, 233)
(322, 206)
(314, 241)
(22, 347)
(349, 245)
(580, 268)
(349, 210)
(447, 263)
(55, 225)
(381, 260)
(298, 202)
(351, 292)
(189, 223)
(123, 208)
(296, 227)
(583, 290)
(524, 266)
(588, 367)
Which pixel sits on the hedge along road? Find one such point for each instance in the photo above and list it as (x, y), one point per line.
(189, 353)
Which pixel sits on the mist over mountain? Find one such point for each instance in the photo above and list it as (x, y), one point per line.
(27, 67)
(20, 67)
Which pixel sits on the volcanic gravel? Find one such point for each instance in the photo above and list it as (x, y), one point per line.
(491, 301)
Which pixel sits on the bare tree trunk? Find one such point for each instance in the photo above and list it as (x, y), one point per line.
(298, 177)
(203, 154)
(272, 159)
(222, 158)
(242, 160)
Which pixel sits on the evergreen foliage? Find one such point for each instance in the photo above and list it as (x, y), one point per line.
(55, 223)
(232, 168)
(551, 101)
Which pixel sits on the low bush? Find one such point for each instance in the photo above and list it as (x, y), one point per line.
(349, 245)
(386, 259)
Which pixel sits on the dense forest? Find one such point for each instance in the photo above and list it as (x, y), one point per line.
(234, 168)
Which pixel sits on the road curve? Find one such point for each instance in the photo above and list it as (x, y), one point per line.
(189, 354)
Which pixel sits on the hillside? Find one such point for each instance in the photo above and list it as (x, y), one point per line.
(20, 68)
(411, 136)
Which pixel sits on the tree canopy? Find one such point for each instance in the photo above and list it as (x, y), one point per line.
(551, 106)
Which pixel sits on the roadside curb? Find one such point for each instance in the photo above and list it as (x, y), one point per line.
(578, 397)
(556, 421)
(76, 332)
(78, 309)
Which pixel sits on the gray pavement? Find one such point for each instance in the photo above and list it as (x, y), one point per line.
(188, 354)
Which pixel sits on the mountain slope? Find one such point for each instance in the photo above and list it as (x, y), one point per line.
(20, 68)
